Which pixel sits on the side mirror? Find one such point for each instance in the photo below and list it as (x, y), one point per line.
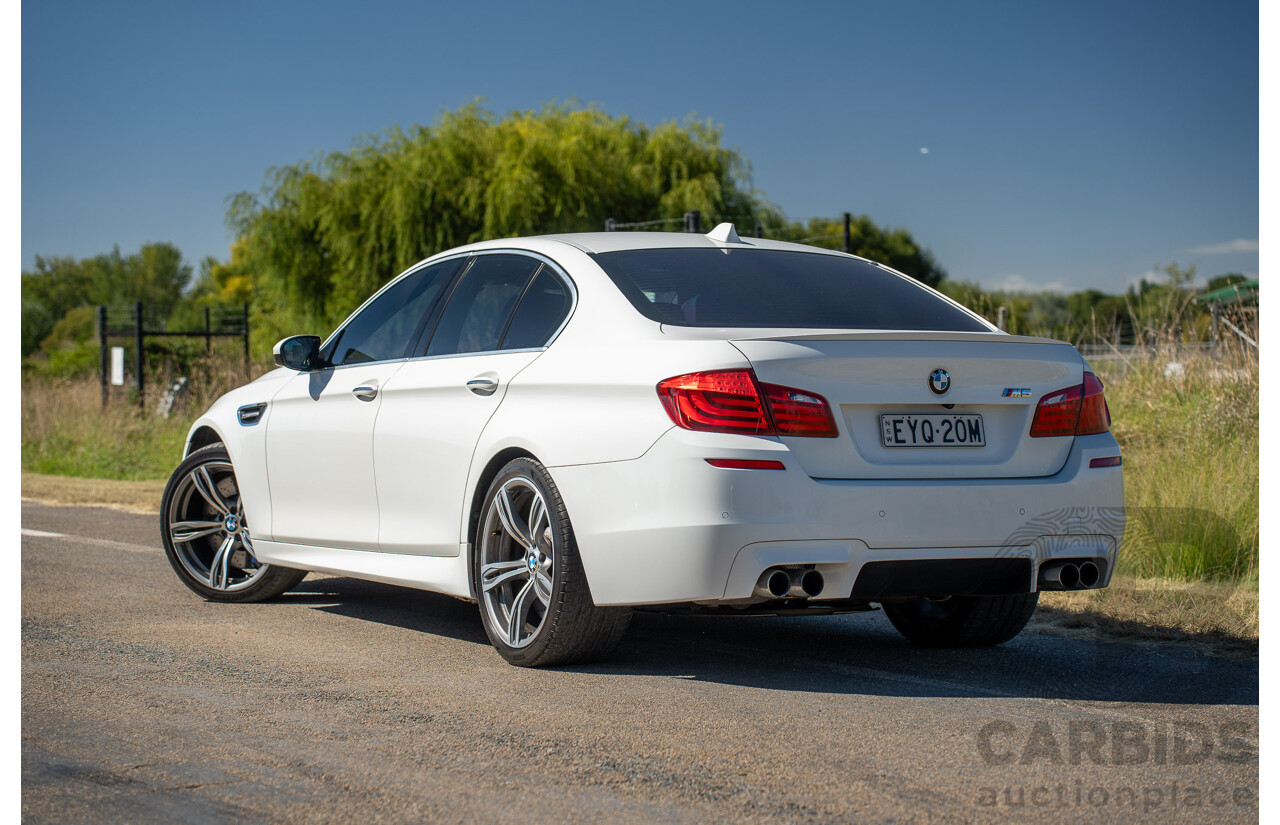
(299, 352)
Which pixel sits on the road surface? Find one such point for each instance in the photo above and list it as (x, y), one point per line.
(348, 701)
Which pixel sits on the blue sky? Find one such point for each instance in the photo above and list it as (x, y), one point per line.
(1070, 145)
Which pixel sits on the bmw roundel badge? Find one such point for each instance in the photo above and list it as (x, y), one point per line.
(939, 381)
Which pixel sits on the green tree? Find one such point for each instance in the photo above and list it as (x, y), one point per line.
(1224, 281)
(323, 235)
(155, 275)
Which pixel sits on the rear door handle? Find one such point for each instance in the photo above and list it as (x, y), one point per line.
(365, 393)
(482, 386)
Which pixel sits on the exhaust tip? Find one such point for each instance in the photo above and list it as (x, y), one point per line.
(773, 583)
(811, 582)
(1089, 574)
(1059, 576)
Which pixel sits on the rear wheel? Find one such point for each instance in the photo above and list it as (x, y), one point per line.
(534, 599)
(206, 535)
(962, 621)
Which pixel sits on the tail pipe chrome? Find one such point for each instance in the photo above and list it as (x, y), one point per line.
(1062, 575)
(1070, 575)
(781, 583)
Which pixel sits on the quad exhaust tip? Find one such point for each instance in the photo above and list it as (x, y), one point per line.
(779, 583)
(1070, 575)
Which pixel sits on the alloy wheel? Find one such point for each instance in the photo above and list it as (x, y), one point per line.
(517, 561)
(208, 529)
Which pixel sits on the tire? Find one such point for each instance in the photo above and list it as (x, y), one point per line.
(536, 576)
(962, 621)
(206, 538)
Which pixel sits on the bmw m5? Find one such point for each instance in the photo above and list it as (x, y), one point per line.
(564, 428)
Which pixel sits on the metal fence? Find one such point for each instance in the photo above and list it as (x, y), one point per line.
(132, 322)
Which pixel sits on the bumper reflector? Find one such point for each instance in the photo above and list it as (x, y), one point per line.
(745, 464)
(1109, 461)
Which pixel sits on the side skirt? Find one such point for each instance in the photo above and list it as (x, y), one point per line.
(440, 574)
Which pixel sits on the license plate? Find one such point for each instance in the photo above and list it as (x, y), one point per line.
(932, 430)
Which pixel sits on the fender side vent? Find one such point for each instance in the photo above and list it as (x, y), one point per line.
(251, 414)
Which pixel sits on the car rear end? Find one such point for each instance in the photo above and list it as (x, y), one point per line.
(873, 443)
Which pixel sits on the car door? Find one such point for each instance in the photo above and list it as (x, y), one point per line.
(502, 312)
(320, 433)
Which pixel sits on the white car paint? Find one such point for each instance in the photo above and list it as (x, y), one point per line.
(386, 489)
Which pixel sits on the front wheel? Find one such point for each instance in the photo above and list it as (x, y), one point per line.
(534, 599)
(962, 621)
(206, 535)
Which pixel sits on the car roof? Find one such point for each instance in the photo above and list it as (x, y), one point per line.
(599, 242)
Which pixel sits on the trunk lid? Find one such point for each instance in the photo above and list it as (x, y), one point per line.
(864, 376)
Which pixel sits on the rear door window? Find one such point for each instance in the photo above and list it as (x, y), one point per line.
(542, 310)
(480, 307)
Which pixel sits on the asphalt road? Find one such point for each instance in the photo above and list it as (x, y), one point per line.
(350, 701)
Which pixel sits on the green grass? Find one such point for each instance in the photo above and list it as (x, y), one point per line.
(1190, 446)
(66, 430)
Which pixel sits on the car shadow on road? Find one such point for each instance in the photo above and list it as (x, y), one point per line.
(849, 654)
(388, 604)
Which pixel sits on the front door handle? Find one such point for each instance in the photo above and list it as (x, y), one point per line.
(482, 386)
(365, 393)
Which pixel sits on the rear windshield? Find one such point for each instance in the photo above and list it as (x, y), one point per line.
(772, 288)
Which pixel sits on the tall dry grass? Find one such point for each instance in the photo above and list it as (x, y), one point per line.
(1187, 423)
(66, 430)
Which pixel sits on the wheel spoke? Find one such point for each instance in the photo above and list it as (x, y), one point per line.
(248, 546)
(182, 531)
(208, 490)
(537, 515)
(218, 566)
(500, 572)
(542, 586)
(510, 521)
(519, 613)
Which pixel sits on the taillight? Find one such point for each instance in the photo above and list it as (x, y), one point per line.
(725, 401)
(732, 401)
(796, 412)
(1078, 410)
(1095, 417)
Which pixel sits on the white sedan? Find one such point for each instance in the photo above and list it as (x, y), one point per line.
(563, 428)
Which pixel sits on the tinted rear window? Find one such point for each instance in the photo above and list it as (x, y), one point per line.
(771, 288)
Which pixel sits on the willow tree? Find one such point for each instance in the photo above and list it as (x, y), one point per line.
(322, 235)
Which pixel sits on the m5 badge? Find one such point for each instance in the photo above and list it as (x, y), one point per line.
(1016, 392)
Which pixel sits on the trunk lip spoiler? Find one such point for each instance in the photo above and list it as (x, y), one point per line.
(781, 334)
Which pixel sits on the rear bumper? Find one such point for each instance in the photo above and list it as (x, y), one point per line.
(668, 527)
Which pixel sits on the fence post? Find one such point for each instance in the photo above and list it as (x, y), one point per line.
(1214, 308)
(610, 225)
(848, 236)
(759, 231)
(246, 335)
(208, 341)
(102, 351)
(693, 221)
(140, 360)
